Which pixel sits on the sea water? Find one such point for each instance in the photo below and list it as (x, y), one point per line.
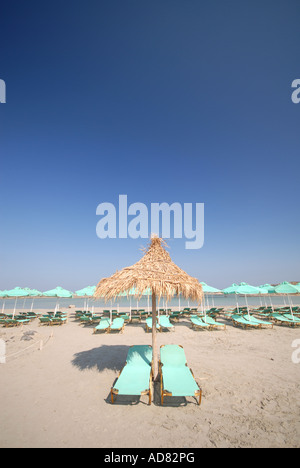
(48, 303)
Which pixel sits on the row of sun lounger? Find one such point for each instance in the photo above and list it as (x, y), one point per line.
(198, 322)
(176, 378)
(105, 325)
(53, 320)
(139, 314)
(10, 320)
(205, 322)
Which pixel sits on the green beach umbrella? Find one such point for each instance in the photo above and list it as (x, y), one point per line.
(58, 292)
(17, 292)
(209, 289)
(3, 294)
(231, 289)
(33, 292)
(88, 291)
(268, 287)
(271, 290)
(286, 288)
(245, 289)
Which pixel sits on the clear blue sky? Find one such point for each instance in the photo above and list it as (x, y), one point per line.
(162, 100)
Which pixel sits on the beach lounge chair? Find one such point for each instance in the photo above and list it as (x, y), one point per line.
(135, 377)
(45, 320)
(292, 317)
(240, 320)
(211, 321)
(14, 322)
(186, 312)
(164, 322)
(258, 321)
(86, 319)
(125, 317)
(149, 325)
(96, 318)
(197, 323)
(176, 378)
(135, 315)
(103, 325)
(142, 312)
(281, 319)
(58, 320)
(9, 322)
(117, 325)
(175, 315)
(135, 318)
(31, 316)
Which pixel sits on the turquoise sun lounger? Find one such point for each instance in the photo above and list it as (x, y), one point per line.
(58, 320)
(240, 320)
(15, 322)
(103, 325)
(292, 317)
(117, 325)
(164, 322)
(135, 377)
(149, 325)
(198, 323)
(45, 320)
(211, 321)
(258, 321)
(176, 378)
(279, 318)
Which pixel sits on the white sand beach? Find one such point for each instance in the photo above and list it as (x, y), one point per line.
(59, 396)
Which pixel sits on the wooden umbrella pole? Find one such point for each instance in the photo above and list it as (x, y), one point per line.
(154, 345)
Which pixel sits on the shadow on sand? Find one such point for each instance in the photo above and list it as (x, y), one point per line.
(104, 357)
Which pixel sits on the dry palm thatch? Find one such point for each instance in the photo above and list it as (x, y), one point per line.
(156, 271)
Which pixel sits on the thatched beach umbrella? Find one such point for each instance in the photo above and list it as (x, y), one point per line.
(155, 270)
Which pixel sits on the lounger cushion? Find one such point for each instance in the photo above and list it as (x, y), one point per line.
(198, 322)
(135, 376)
(177, 377)
(117, 324)
(149, 323)
(165, 322)
(139, 355)
(103, 324)
(179, 381)
(133, 380)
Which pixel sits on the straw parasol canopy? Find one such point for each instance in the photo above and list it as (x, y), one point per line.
(155, 270)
